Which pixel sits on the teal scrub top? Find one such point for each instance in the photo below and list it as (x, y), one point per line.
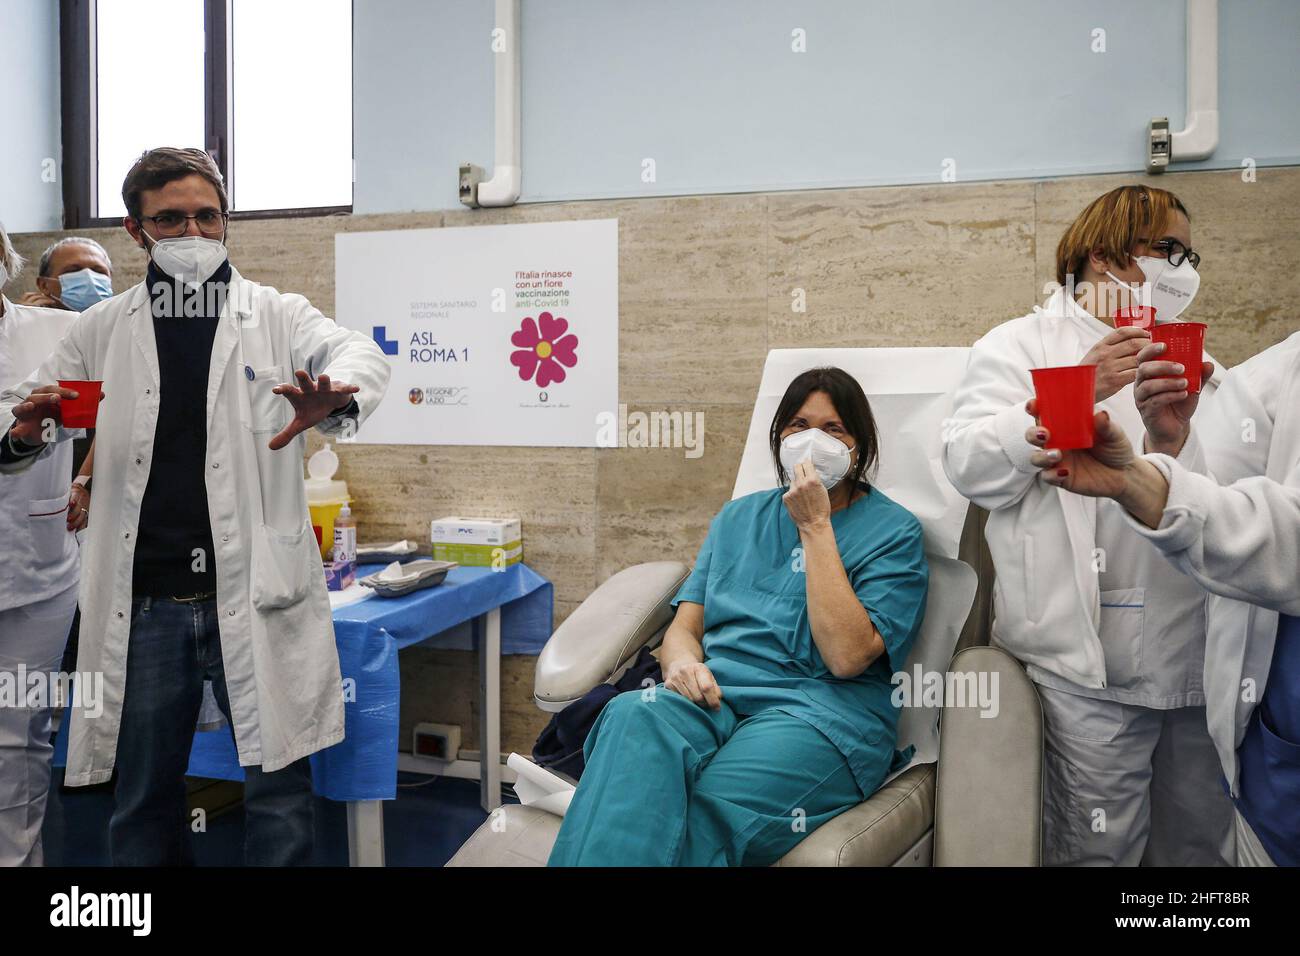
(757, 641)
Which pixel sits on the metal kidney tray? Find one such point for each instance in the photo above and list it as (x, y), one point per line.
(398, 579)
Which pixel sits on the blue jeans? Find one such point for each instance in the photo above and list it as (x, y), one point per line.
(174, 647)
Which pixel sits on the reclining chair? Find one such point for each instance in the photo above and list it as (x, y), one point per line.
(972, 792)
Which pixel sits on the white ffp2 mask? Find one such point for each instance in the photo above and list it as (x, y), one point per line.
(830, 456)
(1168, 289)
(191, 259)
(1172, 288)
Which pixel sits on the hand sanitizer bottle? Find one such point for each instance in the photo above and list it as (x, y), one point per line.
(345, 536)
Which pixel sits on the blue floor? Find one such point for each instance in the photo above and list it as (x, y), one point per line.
(424, 826)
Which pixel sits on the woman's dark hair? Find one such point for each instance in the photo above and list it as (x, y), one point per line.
(850, 403)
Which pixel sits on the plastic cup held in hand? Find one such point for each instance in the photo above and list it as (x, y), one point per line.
(1138, 316)
(1185, 343)
(1065, 404)
(80, 412)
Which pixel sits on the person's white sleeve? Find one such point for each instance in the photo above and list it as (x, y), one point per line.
(1241, 541)
(321, 345)
(1235, 424)
(985, 454)
(66, 362)
(1192, 455)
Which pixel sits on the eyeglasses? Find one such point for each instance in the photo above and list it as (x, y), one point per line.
(173, 224)
(1174, 251)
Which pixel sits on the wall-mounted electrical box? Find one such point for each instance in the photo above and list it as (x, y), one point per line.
(470, 177)
(1158, 154)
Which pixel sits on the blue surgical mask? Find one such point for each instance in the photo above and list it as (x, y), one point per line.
(81, 289)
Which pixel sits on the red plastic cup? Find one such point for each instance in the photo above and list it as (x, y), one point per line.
(1185, 343)
(1065, 404)
(1139, 316)
(80, 412)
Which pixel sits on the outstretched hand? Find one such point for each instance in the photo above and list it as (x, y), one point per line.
(1099, 472)
(312, 402)
(1108, 469)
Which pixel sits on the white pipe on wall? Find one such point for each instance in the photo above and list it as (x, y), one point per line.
(1200, 134)
(503, 188)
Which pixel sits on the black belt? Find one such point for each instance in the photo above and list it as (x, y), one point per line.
(181, 598)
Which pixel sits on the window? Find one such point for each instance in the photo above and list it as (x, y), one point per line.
(149, 80)
(255, 82)
(301, 49)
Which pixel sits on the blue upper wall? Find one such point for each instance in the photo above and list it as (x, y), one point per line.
(712, 92)
(886, 91)
(29, 116)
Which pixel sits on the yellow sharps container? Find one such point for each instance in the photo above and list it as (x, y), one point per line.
(325, 496)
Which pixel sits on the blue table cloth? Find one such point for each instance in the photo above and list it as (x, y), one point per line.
(369, 634)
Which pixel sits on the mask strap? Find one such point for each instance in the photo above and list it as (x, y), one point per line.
(1139, 295)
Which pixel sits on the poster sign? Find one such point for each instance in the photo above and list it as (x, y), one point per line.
(497, 335)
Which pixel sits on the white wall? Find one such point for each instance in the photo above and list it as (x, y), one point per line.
(29, 116)
(886, 91)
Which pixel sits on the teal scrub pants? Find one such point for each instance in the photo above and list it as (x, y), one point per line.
(671, 783)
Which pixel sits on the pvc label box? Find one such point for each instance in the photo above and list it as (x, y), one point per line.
(477, 542)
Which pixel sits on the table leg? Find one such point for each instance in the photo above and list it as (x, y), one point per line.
(489, 664)
(365, 833)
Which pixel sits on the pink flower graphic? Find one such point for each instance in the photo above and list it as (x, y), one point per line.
(546, 352)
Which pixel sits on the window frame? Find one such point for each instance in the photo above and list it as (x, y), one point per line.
(80, 135)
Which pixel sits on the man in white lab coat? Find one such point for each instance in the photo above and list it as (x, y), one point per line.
(200, 561)
(1242, 543)
(39, 571)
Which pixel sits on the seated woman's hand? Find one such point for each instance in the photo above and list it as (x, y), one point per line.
(693, 679)
(807, 500)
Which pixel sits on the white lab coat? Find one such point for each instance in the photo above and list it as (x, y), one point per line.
(277, 637)
(1240, 542)
(39, 566)
(1047, 598)
(41, 558)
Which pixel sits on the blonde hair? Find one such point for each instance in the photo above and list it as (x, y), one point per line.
(9, 256)
(1113, 223)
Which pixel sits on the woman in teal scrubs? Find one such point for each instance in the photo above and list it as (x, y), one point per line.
(774, 714)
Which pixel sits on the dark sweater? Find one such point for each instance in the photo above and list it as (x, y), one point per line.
(174, 513)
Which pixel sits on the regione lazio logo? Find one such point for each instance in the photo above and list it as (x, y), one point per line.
(544, 352)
